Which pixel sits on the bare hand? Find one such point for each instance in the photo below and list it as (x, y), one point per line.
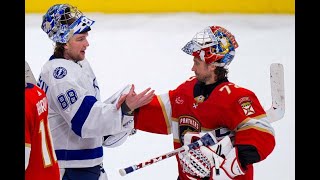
(121, 100)
(135, 101)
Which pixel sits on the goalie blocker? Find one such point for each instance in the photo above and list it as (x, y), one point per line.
(218, 161)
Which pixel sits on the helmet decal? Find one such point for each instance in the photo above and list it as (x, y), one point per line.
(62, 21)
(213, 45)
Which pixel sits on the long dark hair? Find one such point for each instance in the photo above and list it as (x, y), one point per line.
(59, 50)
(221, 73)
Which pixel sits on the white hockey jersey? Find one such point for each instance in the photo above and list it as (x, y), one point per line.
(78, 119)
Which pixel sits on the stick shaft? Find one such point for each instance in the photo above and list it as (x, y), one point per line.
(206, 140)
(133, 168)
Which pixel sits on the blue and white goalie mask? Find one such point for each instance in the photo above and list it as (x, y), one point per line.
(62, 21)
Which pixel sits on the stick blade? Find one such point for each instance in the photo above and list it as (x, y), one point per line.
(277, 109)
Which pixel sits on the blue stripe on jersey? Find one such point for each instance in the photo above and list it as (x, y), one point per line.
(82, 114)
(82, 154)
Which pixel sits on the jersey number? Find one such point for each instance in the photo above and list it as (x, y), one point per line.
(68, 98)
(46, 145)
(227, 88)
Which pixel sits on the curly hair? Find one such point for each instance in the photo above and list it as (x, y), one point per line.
(221, 73)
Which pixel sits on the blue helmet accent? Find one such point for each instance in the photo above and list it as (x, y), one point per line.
(62, 21)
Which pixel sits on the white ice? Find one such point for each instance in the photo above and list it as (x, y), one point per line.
(146, 50)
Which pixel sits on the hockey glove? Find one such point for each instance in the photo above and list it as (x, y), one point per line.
(128, 123)
(198, 163)
(118, 139)
(223, 166)
(115, 140)
(194, 162)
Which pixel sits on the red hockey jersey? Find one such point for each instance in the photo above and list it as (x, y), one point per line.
(42, 161)
(235, 110)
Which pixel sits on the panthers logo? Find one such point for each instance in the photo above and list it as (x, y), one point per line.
(188, 124)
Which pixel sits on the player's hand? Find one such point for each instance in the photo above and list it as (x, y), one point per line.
(121, 100)
(135, 101)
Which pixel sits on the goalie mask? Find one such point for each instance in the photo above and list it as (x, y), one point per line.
(62, 21)
(213, 44)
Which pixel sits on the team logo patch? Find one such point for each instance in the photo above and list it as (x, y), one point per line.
(246, 105)
(188, 124)
(198, 99)
(179, 100)
(59, 72)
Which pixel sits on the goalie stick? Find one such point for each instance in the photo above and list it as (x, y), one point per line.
(274, 113)
(277, 109)
(206, 140)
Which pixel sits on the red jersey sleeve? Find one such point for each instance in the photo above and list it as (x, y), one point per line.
(154, 117)
(248, 119)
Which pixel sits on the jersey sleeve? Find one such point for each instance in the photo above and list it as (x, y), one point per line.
(155, 117)
(250, 122)
(79, 104)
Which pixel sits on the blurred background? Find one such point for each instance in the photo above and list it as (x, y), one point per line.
(166, 6)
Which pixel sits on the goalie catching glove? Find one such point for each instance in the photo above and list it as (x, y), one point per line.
(118, 139)
(219, 161)
(114, 140)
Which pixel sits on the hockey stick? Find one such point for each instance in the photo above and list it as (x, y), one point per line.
(206, 140)
(274, 113)
(277, 109)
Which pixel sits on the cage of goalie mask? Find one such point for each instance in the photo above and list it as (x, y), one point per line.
(213, 44)
(62, 21)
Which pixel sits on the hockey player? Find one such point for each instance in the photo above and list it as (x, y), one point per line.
(40, 158)
(210, 102)
(81, 124)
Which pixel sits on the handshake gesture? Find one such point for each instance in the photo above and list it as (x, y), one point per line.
(133, 101)
(128, 100)
(219, 161)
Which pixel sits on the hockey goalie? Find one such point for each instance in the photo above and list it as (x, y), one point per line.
(209, 102)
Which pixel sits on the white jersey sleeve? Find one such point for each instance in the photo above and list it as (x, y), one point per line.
(73, 93)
